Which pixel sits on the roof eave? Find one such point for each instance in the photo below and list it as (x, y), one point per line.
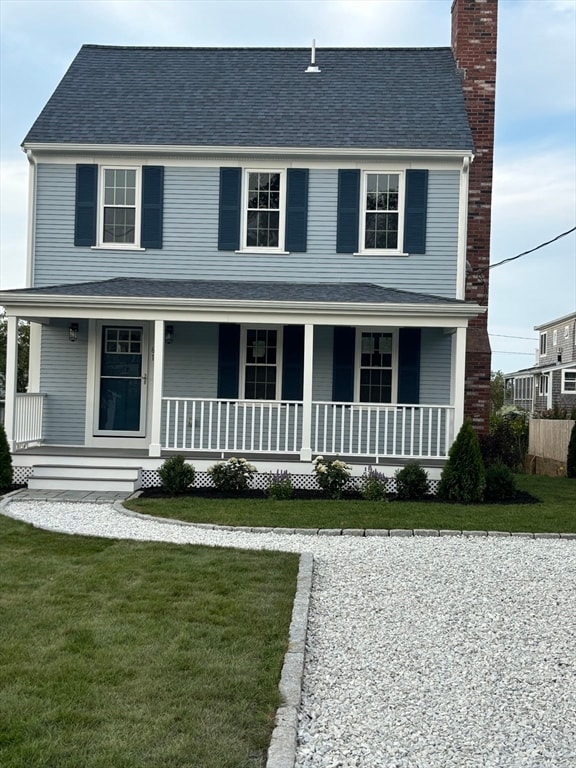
(155, 149)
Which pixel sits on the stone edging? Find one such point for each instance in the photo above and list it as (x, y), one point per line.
(282, 750)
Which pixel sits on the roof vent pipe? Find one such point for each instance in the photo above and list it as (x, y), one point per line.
(312, 66)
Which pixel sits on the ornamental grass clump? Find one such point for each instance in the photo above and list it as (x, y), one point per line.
(331, 475)
(280, 485)
(373, 485)
(232, 476)
(175, 475)
(463, 478)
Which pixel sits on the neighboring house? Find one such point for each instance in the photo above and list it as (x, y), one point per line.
(249, 252)
(551, 381)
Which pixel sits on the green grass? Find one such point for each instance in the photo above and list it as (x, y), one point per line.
(556, 511)
(138, 655)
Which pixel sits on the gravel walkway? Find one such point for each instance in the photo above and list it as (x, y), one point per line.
(422, 652)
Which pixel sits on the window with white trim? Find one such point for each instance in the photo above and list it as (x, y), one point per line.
(119, 211)
(264, 210)
(261, 376)
(566, 331)
(376, 367)
(554, 337)
(569, 382)
(543, 390)
(543, 343)
(382, 204)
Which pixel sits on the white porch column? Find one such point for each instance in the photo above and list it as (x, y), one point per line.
(155, 447)
(306, 447)
(458, 377)
(11, 380)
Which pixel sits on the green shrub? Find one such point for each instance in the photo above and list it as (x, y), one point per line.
(280, 485)
(463, 478)
(332, 475)
(6, 476)
(175, 475)
(373, 485)
(411, 482)
(232, 476)
(507, 441)
(571, 458)
(500, 483)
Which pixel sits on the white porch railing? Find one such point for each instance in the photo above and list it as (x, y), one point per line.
(357, 429)
(399, 431)
(254, 426)
(28, 418)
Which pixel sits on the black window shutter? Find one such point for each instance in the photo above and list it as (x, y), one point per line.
(152, 206)
(229, 213)
(348, 211)
(293, 362)
(228, 360)
(296, 210)
(86, 205)
(409, 365)
(415, 208)
(343, 364)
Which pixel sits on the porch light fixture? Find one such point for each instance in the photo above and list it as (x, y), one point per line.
(73, 332)
(169, 334)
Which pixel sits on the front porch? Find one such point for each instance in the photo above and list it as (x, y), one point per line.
(368, 374)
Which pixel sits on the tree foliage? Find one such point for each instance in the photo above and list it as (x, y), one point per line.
(6, 476)
(463, 478)
(571, 458)
(23, 351)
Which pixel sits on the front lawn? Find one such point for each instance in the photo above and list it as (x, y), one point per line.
(138, 655)
(555, 512)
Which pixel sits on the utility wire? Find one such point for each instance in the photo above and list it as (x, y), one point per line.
(504, 336)
(524, 253)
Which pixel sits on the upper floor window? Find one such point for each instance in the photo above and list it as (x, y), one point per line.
(264, 215)
(119, 214)
(543, 342)
(263, 210)
(566, 331)
(382, 225)
(119, 207)
(554, 337)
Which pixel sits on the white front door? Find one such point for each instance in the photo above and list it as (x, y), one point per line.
(121, 382)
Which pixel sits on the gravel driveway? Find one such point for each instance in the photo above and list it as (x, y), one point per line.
(422, 652)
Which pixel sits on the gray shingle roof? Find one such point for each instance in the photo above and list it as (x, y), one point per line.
(131, 287)
(386, 98)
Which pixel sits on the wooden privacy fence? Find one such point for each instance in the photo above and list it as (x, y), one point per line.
(548, 438)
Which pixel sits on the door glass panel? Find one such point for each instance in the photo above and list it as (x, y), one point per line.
(120, 380)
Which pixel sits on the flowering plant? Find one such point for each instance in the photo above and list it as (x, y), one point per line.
(232, 476)
(280, 485)
(331, 475)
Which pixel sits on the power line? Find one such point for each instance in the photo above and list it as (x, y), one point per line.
(525, 253)
(504, 336)
(507, 352)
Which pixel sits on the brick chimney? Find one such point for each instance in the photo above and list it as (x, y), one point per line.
(474, 28)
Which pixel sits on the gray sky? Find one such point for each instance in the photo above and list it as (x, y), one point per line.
(535, 152)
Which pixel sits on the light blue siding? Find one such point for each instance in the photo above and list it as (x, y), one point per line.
(190, 238)
(63, 381)
(435, 362)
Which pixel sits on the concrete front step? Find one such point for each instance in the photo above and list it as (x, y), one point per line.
(84, 478)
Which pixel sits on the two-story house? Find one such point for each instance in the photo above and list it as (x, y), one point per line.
(258, 252)
(551, 381)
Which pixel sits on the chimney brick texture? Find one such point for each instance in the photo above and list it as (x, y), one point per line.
(474, 32)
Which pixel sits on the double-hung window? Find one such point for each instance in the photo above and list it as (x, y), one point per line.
(381, 220)
(262, 355)
(569, 382)
(265, 202)
(543, 388)
(119, 207)
(376, 379)
(543, 343)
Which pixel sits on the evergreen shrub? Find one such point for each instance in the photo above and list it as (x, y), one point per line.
(571, 457)
(175, 475)
(463, 478)
(411, 482)
(500, 484)
(6, 474)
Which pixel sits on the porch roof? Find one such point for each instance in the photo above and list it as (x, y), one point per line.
(172, 299)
